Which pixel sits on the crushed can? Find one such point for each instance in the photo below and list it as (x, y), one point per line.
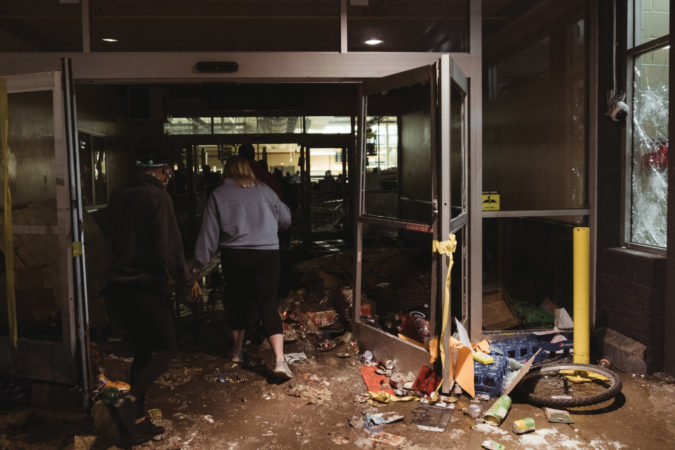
(523, 425)
(498, 411)
(489, 444)
(472, 411)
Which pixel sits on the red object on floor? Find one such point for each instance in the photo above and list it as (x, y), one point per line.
(373, 380)
(427, 380)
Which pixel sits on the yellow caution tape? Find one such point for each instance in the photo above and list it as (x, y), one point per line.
(77, 249)
(445, 248)
(9, 233)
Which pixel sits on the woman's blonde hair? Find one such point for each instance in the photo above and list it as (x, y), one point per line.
(240, 171)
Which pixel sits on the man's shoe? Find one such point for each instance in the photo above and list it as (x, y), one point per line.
(125, 412)
(282, 370)
(136, 436)
(146, 426)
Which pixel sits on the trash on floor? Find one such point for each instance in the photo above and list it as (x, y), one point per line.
(525, 425)
(295, 358)
(383, 418)
(374, 381)
(498, 411)
(489, 444)
(558, 416)
(313, 395)
(388, 439)
(431, 418)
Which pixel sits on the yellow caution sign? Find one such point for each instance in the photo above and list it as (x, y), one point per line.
(490, 200)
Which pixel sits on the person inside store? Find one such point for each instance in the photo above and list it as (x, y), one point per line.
(247, 151)
(210, 180)
(147, 251)
(242, 219)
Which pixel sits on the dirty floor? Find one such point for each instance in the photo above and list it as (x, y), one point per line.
(321, 407)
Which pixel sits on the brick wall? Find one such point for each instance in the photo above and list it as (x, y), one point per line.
(631, 289)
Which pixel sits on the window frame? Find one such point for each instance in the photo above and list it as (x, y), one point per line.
(634, 19)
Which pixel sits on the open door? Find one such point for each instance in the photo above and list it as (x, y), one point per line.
(411, 190)
(47, 230)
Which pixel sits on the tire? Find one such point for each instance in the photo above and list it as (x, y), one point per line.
(543, 386)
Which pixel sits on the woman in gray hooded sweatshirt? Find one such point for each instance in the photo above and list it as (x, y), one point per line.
(242, 219)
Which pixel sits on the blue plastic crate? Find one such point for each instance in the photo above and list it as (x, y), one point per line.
(523, 347)
(488, 379)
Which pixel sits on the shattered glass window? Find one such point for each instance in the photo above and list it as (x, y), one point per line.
(649, 178)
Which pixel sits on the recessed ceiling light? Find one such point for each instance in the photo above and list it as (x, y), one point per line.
(109, 40)
(374, 41)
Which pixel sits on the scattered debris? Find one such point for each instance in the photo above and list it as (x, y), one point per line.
(383, 418)
(326, 345)
(234, 379)
(176, 376)
(313, 395)
(295, 358)
(558, 416)
(374, 381)
(427, 380)
(525, 425)
(489, 444)
(431, 418)
(388, 439)
(498, 411)
(472, 411)
(155, 415)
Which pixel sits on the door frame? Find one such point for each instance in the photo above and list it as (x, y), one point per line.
(47, 360)
(439, 77)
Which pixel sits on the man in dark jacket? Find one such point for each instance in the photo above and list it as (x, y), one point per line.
(147, 250)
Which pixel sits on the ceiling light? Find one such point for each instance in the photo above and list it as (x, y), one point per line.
(373, 41)
(109, 40)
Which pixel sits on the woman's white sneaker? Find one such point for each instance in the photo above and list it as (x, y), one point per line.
(282, 370)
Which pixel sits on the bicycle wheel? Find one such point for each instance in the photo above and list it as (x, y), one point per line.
(568, 385)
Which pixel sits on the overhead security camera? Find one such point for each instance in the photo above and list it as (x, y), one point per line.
(617, 109)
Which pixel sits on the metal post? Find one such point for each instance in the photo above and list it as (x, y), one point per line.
(476, 175)
(80, 273)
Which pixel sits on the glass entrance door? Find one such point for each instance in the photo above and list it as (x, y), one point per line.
(411, 190)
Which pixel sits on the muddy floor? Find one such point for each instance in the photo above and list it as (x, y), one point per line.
(204, 401)
(209, 403)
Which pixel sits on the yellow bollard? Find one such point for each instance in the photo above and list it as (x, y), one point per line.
(581, 244)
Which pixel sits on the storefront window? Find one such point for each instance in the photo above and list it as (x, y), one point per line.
(646, 208)
(649, 161)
